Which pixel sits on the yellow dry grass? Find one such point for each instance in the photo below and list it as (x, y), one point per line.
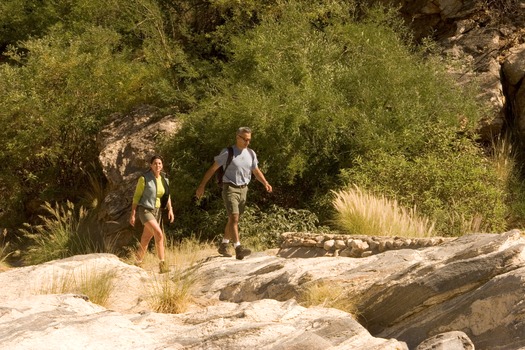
(359, 212)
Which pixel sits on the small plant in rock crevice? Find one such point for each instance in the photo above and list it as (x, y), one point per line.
(172, 294)
(330, 295)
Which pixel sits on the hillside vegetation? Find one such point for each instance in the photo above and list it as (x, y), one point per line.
(336, 92)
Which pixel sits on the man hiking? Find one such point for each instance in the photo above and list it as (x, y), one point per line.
(238, 162)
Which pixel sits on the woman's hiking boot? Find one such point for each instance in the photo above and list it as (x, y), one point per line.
(241, 252)
(223, 250)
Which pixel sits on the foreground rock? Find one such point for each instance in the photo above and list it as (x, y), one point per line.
(474, 284)
(70, 322)
(30, 320)
(458, 294)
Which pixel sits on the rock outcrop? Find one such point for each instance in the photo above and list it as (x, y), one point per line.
(126, 145)
(32, 319)
(483, 37)
(455, 294)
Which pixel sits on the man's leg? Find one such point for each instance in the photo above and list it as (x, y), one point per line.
(231, 231)
(229, 235)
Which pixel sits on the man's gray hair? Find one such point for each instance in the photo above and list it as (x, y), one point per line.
(244, 130)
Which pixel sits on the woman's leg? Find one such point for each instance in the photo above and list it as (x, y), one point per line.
(147, 234)
(156, 231)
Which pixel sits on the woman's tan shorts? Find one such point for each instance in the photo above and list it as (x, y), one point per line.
(146, 215)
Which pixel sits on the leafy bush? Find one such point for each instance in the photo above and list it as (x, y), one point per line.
(58, 93)
(262, 229)
(327, 94)
(453, 188)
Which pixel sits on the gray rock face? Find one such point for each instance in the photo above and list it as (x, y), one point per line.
(456, 294)
(473, 284)
(32, 320)
(481, 39)
(126, 145)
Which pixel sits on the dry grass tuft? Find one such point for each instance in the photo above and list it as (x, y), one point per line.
(327, 294)
(363, 213)
(95, 284)
(172, 293)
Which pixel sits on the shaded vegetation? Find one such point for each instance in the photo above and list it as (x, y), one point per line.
(336, 92)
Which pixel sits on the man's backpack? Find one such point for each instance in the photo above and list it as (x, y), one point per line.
(220, 171)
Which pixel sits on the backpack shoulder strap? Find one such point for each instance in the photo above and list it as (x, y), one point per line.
(230, 157)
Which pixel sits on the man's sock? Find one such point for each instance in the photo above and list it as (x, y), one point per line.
(225, 241)
(236, 244)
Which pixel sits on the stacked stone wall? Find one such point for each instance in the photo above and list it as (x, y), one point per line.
(304, 244)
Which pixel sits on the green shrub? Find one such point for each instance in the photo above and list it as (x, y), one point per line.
(262, 229)
(53, 104)
(327, 94)
(452, 188)
(65, 69)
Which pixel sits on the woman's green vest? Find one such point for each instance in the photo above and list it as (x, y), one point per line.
(149, 196)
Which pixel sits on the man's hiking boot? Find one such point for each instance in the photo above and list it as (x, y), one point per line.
(223, 250)
(163, 267)
(241, 252)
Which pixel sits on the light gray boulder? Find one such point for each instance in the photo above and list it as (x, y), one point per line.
(404, 298)
(473, 284)
(32, 319)
(447, 341)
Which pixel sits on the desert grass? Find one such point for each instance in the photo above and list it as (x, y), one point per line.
(173, 292)
(63, 232)
(97, 285)
(358, 212)
(328, 294)
(4, 251)
(502, 158)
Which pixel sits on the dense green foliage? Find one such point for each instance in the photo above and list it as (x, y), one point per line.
(329, 96)
(335, 92)
(89, 59)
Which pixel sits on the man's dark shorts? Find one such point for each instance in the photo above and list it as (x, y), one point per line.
(234, 198)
